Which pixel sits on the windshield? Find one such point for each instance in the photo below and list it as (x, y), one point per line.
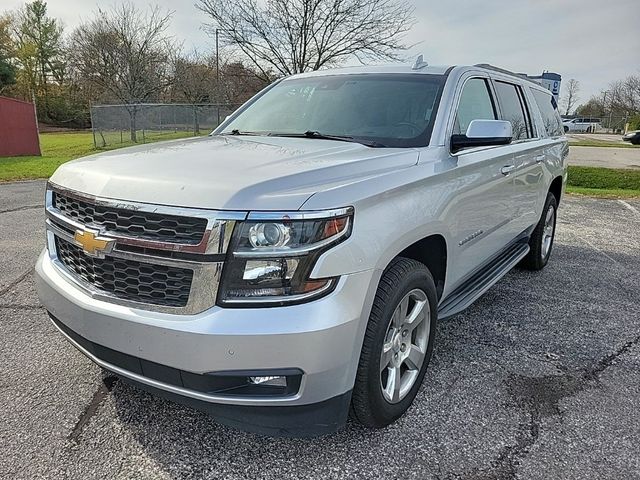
(384, 110)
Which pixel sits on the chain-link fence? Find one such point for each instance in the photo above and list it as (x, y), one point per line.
(145, 122)
(614, 123)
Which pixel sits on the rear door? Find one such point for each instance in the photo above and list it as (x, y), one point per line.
(552, 145)
(528, 155)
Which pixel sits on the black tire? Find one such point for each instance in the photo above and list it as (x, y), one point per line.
(368, 404)
(566, 129)
(537, 258)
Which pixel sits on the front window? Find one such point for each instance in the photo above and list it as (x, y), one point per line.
(475, 104)
(378, 110)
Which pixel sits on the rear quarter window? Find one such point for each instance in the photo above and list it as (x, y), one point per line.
(549, 111)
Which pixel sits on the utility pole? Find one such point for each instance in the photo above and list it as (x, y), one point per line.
(218, 75)
(217, 56)
(604, 109)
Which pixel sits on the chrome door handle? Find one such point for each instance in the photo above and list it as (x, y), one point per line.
(507, 169)
(539, 158)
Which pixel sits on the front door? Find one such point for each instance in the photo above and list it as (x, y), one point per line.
(482, 209)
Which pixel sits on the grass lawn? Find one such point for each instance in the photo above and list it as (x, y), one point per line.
(58, 148)
(586, 142)
(603, 182)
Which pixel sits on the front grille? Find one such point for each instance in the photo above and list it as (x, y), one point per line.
(128, 279)
(134, 223)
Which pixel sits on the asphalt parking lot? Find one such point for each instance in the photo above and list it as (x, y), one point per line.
(539, 379)
(608, 157)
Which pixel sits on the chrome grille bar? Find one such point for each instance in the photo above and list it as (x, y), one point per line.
(204, 259)
(215, 239)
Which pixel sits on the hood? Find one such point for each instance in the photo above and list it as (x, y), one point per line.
(229, 173)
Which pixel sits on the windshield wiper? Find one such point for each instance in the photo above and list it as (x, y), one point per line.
(322, 136)
(235, 131)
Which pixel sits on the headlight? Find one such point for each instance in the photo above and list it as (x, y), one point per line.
(271, 257)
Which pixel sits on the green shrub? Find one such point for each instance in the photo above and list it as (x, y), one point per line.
(604, 178)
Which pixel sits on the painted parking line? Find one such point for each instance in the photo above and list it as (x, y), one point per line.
(629, 207)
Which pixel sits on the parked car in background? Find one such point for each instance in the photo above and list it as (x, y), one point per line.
(290, 268)
(581, 125)
(632, 137)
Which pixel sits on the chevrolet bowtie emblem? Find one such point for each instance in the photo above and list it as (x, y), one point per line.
(93, 244)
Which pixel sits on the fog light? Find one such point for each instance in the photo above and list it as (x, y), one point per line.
(272, 381)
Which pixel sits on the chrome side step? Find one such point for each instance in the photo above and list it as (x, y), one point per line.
(467, 293)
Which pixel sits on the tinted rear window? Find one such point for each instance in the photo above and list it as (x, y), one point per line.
(549, 110)
(512, 109)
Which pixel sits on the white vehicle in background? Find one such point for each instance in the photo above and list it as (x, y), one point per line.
(581, 125)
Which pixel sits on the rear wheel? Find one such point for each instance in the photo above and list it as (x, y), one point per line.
(541, 241)
(397, 345)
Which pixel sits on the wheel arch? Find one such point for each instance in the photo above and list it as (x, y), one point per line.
(556, 188)
(431, 251)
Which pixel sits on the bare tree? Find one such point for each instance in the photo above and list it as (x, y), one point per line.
(194, 78)
(293, 36)
(194, 82)
(624, 95)
(238, 83)
(126, 53)
(595, 107)
(571, 98)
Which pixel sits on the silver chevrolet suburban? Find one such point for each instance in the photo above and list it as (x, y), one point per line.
(288, 270)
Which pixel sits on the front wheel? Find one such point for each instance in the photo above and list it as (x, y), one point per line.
(541, 240)
(397, 345)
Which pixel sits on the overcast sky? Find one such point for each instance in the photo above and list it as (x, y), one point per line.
(593, 41)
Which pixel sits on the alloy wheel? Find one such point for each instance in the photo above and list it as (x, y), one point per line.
(547, 234)
(405, 345)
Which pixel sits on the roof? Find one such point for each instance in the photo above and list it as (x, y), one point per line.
(16, 100)
(389, 68)
(407, 69)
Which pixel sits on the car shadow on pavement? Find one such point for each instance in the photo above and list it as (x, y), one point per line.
(503, 371)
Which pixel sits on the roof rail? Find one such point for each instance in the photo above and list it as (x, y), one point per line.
(488, 66)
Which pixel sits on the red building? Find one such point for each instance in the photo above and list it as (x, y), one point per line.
(18, 128)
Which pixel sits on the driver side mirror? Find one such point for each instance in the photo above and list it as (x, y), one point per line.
(483, 133)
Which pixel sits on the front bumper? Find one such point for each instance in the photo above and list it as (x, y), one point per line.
(321, 339)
